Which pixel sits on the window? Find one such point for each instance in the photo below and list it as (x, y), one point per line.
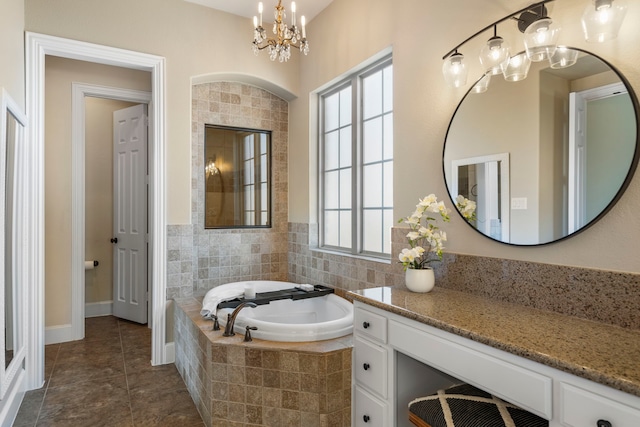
(356, 162)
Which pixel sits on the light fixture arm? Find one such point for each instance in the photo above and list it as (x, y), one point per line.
(530, 8)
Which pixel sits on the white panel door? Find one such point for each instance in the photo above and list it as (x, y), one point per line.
(130, 213)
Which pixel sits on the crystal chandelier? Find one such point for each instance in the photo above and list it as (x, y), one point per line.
(285, 37)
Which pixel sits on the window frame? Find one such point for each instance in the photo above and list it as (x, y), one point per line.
(355, 81)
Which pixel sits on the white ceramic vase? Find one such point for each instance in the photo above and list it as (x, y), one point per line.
(421, 280)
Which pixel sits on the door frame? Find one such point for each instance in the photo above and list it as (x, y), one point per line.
(577, 175)
(37, 46)
(79, 93)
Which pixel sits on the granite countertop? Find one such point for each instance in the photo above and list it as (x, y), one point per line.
(603, 353)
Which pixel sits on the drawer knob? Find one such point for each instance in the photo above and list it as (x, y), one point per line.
(603, 423)
(366, 367)
(365, 418)
(366, 325)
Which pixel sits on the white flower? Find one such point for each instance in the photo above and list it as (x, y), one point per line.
(424, 236)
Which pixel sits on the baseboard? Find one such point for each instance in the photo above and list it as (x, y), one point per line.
(170, 352)
(58, 334)
(97, 309)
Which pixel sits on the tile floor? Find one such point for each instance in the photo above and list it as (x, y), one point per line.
(107, 380)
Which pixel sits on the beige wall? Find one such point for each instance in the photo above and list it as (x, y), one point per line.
(195, 40)
(99, 196)
(12, 49)
(421, 34)
(59, 75)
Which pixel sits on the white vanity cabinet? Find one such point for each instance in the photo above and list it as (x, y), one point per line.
(397, 359)
(370, 370)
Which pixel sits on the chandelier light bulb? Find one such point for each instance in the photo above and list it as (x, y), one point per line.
(541, 39)
(455, 70)
(602, 19)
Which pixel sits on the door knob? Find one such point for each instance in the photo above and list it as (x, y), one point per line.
(114, 240)
(603, 423)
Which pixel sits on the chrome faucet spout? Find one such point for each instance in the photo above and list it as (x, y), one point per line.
(231, 318)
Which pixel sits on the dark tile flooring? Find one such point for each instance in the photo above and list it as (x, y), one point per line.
(107, 380)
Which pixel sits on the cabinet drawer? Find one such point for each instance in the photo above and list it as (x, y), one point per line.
(369, 411)
(581, 408)
(370, 324)
(370, 366)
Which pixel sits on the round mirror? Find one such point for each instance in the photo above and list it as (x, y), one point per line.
(535, 161)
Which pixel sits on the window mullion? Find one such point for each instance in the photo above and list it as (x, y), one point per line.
(356, 149)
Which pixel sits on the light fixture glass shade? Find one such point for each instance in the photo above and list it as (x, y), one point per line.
(602, 19)
(563, 57)
(541, 39)
(517, 68)
(482, 85)
(494, 54)
(455, 70)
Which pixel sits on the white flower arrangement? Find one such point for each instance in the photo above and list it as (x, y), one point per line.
(425, 236)
(466, 207)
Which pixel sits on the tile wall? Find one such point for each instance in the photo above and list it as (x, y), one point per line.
(599, 295)
(200, 259)
(261, 383)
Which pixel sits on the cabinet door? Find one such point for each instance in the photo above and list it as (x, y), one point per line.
(369, 411)
(370, 366)
(581, 408)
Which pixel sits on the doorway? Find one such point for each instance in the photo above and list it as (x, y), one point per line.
(82, 93)
(37, 47)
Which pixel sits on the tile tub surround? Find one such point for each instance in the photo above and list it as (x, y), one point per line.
(598, 295)
(262, 383)
(602, 353)
(229, 255)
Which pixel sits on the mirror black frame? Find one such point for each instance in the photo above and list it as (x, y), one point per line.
(614, 200)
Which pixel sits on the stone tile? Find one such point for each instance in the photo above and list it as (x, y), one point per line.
(30, 408)
(164, 407)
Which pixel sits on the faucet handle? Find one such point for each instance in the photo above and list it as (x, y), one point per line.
(216, 324)
(247, 335)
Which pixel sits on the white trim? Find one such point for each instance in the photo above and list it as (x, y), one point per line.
(37, 47)
(503, 159)
(170, 350)
(57, 334)
(98, 309)
(577, 175)
(10, 404)
(79, 92)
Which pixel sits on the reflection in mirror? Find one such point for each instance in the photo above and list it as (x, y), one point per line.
(12, 130)
(570, 137)
(237, 177)
(10, 343)
(485, 181)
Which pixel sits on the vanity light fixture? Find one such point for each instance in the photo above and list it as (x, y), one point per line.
(540, 33)
(602, 19)
(495, 53)
(482, 85)
(286, 36)
(563, 57)
(455, 70)
(517, 68)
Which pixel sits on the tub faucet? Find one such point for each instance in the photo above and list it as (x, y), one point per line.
(231, 318)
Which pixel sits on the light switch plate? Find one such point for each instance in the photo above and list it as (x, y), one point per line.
(519, 203)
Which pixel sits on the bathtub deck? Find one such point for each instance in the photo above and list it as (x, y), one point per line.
(266, 383)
